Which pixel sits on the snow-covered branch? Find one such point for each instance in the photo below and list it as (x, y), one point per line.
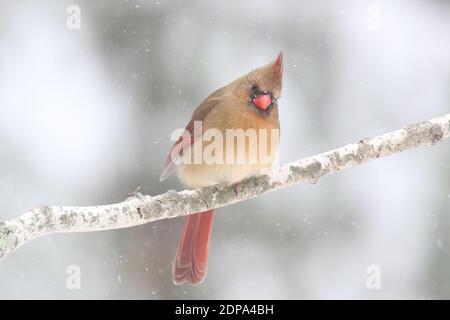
(139, 209)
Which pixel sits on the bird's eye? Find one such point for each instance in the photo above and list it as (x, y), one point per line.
(255, 90)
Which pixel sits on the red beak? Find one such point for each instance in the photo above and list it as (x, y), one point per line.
(263, 101)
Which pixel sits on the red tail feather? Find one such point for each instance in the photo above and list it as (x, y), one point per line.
(191, 260)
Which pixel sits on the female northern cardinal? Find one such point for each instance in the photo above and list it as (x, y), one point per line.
(249, 102)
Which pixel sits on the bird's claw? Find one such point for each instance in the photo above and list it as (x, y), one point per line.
(237, 188)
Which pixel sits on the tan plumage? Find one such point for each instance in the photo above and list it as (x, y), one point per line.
(230, 116)
(242, 104)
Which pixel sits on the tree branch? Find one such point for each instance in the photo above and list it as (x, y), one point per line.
(139, 209)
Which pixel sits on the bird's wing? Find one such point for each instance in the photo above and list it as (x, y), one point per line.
(184, 143)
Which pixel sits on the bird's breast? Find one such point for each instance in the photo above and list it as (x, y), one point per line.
(236, 143)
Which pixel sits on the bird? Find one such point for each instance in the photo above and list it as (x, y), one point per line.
(247, 103)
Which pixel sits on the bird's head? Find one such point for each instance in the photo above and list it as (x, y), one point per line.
(262, 87)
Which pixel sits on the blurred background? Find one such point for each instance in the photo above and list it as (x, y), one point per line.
(86, 116)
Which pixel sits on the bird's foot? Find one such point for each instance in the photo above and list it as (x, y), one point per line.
(237, 188)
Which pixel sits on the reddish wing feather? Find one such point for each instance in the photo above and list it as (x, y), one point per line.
(184, 143)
